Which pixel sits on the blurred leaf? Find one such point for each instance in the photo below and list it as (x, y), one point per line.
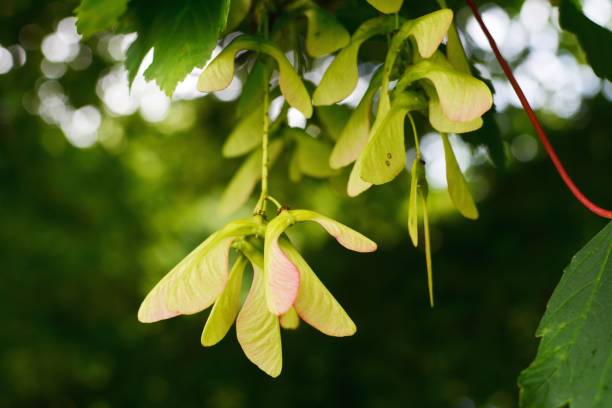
(324, 33)
(244, 181)
(572, 366)
(340, 78)
(423, 198)
(458, 188)
(226, 307)
(333, 118)
(594, 39)
(238, 11)
(182, 34)
(94, 16)
(386, 6)
(312, 155)
(246, 135)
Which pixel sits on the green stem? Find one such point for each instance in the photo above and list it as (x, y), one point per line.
(261, 203)
(416, 137)
(427, 251)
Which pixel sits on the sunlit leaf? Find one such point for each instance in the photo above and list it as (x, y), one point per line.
(244, 181)
(197, 281)
(385, 155)
(290, 320)
(342, 75)
(427, 32)
(219, 73)
(314, 303)
(441, 123)
(185, 33)
(94, 16)
(572, 366)
(258, 330)
(462, 97)
(290, 83)
(226, 307)
(324, 34)
(354, 135)
(458, 188)
(386, 6)
(246, 135)
(355, 184)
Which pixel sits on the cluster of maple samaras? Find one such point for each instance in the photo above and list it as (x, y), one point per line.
(284, 288)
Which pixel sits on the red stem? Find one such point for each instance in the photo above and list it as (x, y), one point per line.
(602, 212)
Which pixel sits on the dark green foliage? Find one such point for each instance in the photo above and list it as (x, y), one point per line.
(573, 362)
(596, 41)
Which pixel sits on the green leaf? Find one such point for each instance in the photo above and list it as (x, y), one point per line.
(94, 16)
(312, 154)
(385, 155)
(314, 303)
(342, 75)
(295, 173)
(458, 188)
(333, 118)
(257, 329)
(244, 181)
(387, 6)
(254, 87)
(413, 216)
(594, 39)
(455, 52)
(238, 11)
(219, 73)
(354, 135)
(246, 135)
(182, 34)
(355, 184)
(197, 281)
(462, 97)
(572, 366)
(290, 320)
(441, 123)
(226, 307)
(324, 33)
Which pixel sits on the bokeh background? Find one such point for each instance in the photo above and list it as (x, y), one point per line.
(103, 190)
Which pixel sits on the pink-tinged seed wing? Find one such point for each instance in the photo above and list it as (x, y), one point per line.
(314, 303)
(258, 330)
(347, 237)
